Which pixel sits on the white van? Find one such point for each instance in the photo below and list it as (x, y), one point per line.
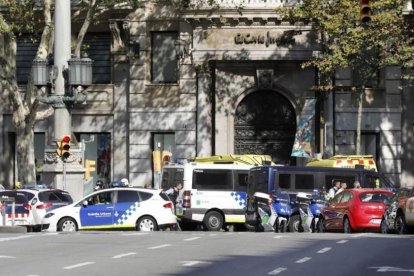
(213, 194)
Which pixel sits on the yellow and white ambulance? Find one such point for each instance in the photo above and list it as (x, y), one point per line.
(345, 161)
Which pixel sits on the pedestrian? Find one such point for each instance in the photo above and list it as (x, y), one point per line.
(335, 187)
(343, 187)
(173, 192)
(98, 185)
(357, 185)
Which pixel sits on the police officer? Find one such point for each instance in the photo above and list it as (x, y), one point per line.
(173, 192)
(98, 185)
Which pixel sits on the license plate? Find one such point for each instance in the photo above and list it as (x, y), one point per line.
(376, 221)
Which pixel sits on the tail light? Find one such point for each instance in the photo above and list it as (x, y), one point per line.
(1, 206)
(168, 205)
(44, 205)
(187, 199)
(27, 206)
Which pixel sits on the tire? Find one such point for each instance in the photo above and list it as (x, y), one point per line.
(400, 224)
(146, 224)
(67, 225)
(250, 228)
(283, 226)
(384, 227)
(295, 224)
(320, 227)
(313, 225)
(37, 228)
(347, 226)
(213, 221)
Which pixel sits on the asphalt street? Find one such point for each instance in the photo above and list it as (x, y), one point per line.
(205, 253)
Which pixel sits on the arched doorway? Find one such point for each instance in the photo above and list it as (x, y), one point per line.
(265, 123)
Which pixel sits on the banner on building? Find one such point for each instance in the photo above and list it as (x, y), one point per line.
(304, 132)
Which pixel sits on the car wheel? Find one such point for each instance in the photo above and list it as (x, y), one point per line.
(67, 225)
(294, 224)
(213, 221)
(347, 226)
(320, 227)
(146, 224)
(384, 226)
(400, 225)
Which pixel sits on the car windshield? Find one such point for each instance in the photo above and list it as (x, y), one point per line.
(55, 196)
(375, 197)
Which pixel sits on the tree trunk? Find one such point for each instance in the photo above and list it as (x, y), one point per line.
(359, 119)
(26, 155)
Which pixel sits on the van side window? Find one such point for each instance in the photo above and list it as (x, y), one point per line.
(304, 182)
(284, 181)
(240, 180)
(212, 179)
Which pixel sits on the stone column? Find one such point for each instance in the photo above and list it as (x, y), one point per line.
(204, 112)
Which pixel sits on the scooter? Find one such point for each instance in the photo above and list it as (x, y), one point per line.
(281, 205)
(317, 203)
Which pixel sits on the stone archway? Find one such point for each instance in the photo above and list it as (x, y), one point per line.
(265, 123)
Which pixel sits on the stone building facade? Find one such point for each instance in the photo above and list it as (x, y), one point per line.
(198, 83)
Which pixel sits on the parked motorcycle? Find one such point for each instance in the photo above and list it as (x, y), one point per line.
(317, 203)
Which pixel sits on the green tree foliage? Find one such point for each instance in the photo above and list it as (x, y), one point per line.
(346, 43)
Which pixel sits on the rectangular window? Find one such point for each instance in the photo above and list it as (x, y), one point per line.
(164, 62)
(240, 180)
(25, 54)
(284, 181)
(212, 179)
(304, 182)
(98, 48)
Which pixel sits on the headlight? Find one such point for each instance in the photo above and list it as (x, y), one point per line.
(48, 215)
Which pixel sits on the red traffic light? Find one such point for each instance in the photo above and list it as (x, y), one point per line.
(364, 11)
(66, 139)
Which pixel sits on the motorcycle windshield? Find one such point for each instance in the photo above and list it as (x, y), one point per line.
(281, 197)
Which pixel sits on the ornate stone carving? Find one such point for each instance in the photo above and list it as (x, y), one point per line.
(264, 79)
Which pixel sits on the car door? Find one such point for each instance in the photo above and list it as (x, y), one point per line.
(125, 209)
(331, 213)
(343, 208)
(98, 212)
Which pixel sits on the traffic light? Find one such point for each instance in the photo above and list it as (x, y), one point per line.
(89, 167)
(63, 147)
(364, 11)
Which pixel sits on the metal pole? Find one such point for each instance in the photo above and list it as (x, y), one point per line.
(62, 53)
(13, 211)
(64, 175)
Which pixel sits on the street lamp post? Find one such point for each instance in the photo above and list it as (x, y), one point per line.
(67, 79)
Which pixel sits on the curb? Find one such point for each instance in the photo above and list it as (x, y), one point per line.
(13, 229)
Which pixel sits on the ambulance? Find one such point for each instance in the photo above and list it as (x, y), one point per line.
(345, 161)
(214, 189)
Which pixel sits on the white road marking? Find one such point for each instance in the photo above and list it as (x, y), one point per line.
(159, 246)
(212, 235)
(192, 239)
(7, 257)
(123, 255)
(342, 241)
(277, 271)
(193, 263)
(278, 237)
(303, 260)
(78, 265)
(323, 250)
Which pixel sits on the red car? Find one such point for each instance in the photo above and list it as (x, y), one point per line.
(355, 210)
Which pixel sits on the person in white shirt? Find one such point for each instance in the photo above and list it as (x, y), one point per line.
(335, 187)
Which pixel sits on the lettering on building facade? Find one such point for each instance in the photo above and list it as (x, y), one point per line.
(287, 38)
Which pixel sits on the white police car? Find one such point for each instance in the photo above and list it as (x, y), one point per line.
(114, 208)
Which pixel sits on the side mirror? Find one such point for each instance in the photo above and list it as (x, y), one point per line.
(84, 203)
